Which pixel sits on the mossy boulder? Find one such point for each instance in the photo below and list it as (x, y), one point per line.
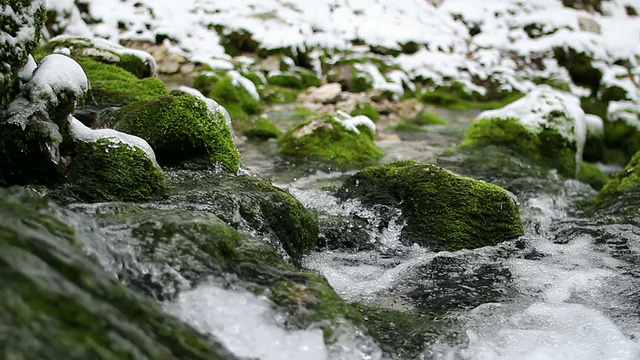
(289, 80)
(20, 32)
(60, 304)
(621, 195)
(179, 128)
(114, 86)
(591, 174)
(234, 97)
(443, 211)
(279, 95)
(109, 170)
(457, 96)
(547, 126)
(137, 62)
(195, 246)
(261, 128)
(325, 138)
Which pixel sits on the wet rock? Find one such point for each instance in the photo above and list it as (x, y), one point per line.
(337, 232)
(443, 211)
(589, 25)
(52, 290)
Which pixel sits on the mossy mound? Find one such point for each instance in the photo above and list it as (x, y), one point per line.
(367, 109)
(279, 95)
(443, 211)
(180, 128)
(137, 62)
(428, 119)
(60, 305)
(105, 170)
(261, 128)
(591, 174)
(621, 195)
(455, 97)
(234, 97)
(327, 139)
(114, 86)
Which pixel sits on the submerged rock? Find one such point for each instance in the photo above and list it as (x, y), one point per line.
(547, 125)
(346, 141)
(179, 128)
(59, 304)
(443, 211)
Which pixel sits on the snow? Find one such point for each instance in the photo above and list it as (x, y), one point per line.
(56, 74)
(247, 84)
(26, 73)
(595, 125)
(533, 109)
(626, 111)
(212, 105)
(379, 81)
(81, 132)
(352, 122)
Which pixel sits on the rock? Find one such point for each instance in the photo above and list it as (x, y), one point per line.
(261, 128)
(350, 78)
(591, 174)
(546, 125)
(443, 211)
(410, 108)
(622, 130)
(337, 232)
(52, 290)
(589, 25)
(325, 94)
(28, 19)
(179, 128)
(621, 196)
(327, 139)
(137, 62)
(110, 166)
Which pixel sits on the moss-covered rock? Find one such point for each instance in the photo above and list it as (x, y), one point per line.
(367, 109)
(59, 304)
(547, 126)
(114, 86)
(457, 97)
(261, 128)
(591, 174)
(579, 66)
(234, 97)
(327, 139)
(279, 95)
(348, 76)
(622, 130)
(137, 62)
(429, 118)
(292, 80)
(179, 128)
(621, 195)
(443, 211)
(20, 33)
(105, 170)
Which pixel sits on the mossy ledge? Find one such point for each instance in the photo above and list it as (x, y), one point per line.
(621, 195)
(180, 128)
(443, 211)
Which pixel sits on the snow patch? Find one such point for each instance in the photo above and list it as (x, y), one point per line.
(56, 74)
(352, 122)
(247, 84)
(626, 111)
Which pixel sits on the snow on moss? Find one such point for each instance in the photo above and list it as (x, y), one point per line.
(81, 132)
(626, 111)
(379, 82)
(57, 74)
(351, 123)
(212, 105)
(595, 125)
(247, 84)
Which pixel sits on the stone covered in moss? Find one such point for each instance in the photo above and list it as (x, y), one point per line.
(367, 109)
(348, 76)
(59, 304)
(114, 86)
(547, 126)
(137, 62)
(279, 95)
(20, 33)
(443, 211)
(591, 174)
(621, 195)
(261, 128)
(106, 170)
(457, 97)
(179, 128)
(234, 97)
(327, 139)
(622, 130)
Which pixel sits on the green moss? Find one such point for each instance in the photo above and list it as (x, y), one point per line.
(292, 81)
(328, 140)
(59, 304)
(106, 171)
(428, 118)
(619, 135)
(580, 67)
(454, 97)
(404, 334)
(309, 78)
(236, 99)
(367, 109)
(179, 128)
(547, 148)
(255, 78)
(613, 93)
(111, 85)
(621, 195)
(302, 111)
(205, 82)
(591, 174)
(279, 95)
(261, 128)
(406, 126)
(443, 211)
(360, 83)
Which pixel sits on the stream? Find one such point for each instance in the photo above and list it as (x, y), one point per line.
(568, 289)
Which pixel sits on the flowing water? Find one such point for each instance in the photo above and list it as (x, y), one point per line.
(569, 289)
